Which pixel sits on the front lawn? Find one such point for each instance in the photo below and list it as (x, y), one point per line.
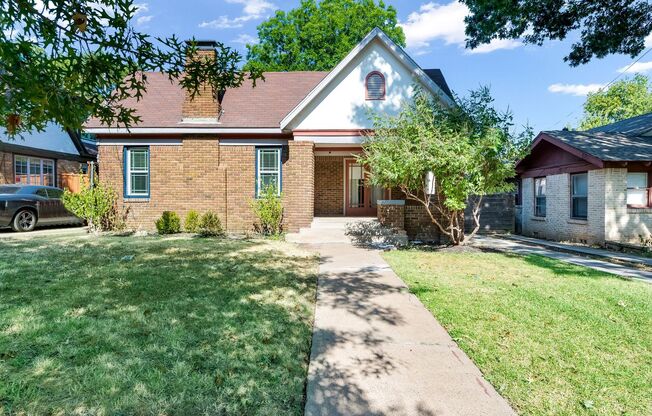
(553, 338)
(155, 326)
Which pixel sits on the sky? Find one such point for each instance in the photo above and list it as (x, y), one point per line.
(533, 82)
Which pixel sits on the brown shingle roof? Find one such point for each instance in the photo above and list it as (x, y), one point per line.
(246, 106)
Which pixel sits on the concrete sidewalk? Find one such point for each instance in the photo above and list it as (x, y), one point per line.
(584, 251)
(376, 350)
(523, 247)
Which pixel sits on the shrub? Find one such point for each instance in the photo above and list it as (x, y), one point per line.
(169, 223)
(268, 210)
(191, 224)
(210, 225)
(97, 204)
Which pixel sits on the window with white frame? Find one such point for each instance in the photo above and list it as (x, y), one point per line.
(540, 197)
(137, 172)
(268, 169)
(579, 195)
(637, 192)
(34, 171)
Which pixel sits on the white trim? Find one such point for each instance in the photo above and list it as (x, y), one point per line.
(200, 120)
(253, 142)
(139, 142)
(184, 130)
(277, 171)
(145, 171)
(396, 50)
(330, 139)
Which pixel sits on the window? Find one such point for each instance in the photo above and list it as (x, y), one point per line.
(579, 192)
(375, 86)
(34, 171)
(55, 193)
(540, 197)
(637, 192)
(137, 172)
(268, 169)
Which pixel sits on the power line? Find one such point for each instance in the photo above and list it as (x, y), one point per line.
(624, 71)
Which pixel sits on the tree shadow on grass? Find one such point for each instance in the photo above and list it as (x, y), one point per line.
(183, 327)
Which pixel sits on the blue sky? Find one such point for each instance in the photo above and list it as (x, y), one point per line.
(534, 82)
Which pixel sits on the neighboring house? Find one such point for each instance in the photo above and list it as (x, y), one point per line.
(43, 158)
(589, 186)
(297, 130)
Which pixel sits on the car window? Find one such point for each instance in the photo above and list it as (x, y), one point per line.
(55, 193)
(42, 192)
(9, 189)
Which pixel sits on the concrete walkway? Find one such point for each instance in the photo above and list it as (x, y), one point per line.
(376, 350)
(523, 247)
(584, 251)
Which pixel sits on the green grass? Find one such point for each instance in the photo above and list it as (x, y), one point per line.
(188, 326)
(553, 338)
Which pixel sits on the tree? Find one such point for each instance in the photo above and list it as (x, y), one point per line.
(316, 35)
(623, 99)
(469, 148)
(66, 60)
(605, 26)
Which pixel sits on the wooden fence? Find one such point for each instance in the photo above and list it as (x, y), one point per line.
(72, 181)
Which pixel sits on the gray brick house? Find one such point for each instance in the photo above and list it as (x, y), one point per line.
(589, 186)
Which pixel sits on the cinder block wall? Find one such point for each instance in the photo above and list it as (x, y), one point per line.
(201, 175)
(628, 225)
(329, 185)
(558, 224)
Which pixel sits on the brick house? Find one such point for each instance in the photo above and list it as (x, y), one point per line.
(589, 186)
(298, 130)
(52, 157)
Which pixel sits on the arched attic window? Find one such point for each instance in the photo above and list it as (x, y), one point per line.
(375, 86)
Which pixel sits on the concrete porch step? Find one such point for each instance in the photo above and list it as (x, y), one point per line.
(356, 230)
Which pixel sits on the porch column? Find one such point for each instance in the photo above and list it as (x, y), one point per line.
(391, 213)
(298, 184)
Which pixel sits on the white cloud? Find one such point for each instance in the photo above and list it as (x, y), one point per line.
(494, 45)
(141, 17)
(578, 90)
(253, 9)
(244, 39)
(638, 67)
(445, 22)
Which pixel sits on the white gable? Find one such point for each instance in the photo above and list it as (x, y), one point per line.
(339, 102)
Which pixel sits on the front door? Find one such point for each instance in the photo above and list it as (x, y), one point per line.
(361, 196)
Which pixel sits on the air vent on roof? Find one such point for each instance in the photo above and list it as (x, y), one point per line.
(375, 86)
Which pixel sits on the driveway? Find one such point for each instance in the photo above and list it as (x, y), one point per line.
(8, 234)
(376, 350)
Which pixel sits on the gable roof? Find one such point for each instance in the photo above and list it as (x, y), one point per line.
(398, 53)
(243, 107)
(624, 141)
(639, 125)
(607, 146)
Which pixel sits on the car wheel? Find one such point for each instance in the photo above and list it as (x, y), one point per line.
(25, 220)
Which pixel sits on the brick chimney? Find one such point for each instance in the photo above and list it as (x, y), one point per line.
(205, 107)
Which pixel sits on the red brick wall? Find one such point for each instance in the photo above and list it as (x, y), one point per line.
(6, 168)
(392, 216)
(201, 175)
(299, 185)
(329, 185)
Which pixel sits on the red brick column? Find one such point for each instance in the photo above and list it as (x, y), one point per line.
(391, 213)
(299, 185)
